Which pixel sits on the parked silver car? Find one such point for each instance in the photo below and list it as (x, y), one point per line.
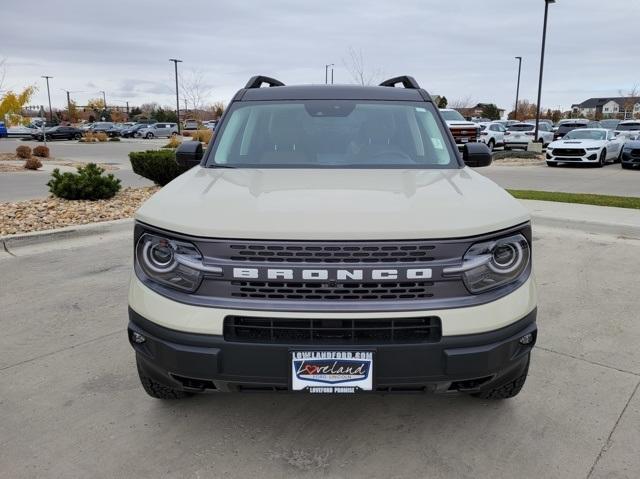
(157, 130)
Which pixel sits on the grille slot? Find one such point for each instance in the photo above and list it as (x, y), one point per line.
(328, 253)
(569, 152)
(332, 331)
(331, 291)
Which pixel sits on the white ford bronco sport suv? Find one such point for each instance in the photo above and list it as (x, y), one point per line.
(332, 240)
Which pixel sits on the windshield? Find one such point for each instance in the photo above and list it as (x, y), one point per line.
(522, 127)
(629, 126)
(452, 115)
(586, 135)
(573, 125)
(609, 123)
(332, 134)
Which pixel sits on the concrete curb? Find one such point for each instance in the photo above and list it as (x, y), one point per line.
(70, 232)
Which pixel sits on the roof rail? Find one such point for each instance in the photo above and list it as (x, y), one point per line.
(258, 80)
(407, 82)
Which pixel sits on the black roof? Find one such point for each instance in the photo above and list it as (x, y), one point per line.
(330, 92)
(596, 102)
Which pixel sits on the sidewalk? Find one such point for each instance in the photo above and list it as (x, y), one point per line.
(597, 219)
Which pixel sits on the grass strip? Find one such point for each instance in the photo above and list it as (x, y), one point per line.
(581, 198)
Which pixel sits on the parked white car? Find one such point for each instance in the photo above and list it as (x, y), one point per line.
(492, 134)
(521, 134)
(629, 129)
(596, 146)
(157, 130)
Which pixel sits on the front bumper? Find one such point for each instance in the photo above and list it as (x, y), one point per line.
(202, 363)
(590, 157)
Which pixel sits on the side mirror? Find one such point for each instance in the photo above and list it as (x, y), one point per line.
(476, 155)
(189, 154)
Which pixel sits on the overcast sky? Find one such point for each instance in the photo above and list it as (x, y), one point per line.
(461, 48)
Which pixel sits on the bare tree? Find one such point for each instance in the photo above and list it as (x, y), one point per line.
(631, 98)
(195, 90)
(357, 68)
(460, 103)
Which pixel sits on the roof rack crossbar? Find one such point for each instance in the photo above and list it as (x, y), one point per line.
(407, 82)
(258, 80)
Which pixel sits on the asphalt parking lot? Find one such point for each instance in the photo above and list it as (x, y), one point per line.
(72, 407)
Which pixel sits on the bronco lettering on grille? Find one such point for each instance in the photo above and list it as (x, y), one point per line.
(332, 274)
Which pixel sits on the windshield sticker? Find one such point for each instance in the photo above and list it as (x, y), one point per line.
(437, 143)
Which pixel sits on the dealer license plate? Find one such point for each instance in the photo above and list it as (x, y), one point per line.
(332, 371)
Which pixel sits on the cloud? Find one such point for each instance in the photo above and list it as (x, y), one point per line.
(458, 49)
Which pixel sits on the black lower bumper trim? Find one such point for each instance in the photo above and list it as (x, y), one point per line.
(206, 362)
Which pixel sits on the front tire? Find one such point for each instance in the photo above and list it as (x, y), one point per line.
(603, 159)
(157, 390)
(506, 390)
(148, 136)
(552, 164)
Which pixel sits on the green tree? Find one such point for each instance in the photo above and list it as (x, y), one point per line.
(443, 102)
(489, 110)
(135, 111)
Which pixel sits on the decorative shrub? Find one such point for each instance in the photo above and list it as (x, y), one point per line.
(41, 151)
(23, 152)
(32, 163)
(102, 136)
(186, 133)
(89, 137)
(87, 184)
(202, 135)
(158, 166)
(174, 143)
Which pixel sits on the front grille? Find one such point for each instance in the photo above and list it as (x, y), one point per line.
(332, 331)
(635, 153)
(331, 291)
(470, 133)
(569, 152)
(331, 253)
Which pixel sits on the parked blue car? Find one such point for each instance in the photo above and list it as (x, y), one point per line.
(3, 131)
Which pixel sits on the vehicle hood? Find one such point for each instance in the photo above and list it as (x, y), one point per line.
(462, 124)
(332, 204)
(577, 144)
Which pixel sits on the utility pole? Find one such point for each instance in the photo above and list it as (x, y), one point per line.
(332, 75)
(104, 99)
(175, 64)
(49, 96)
(544, 40)
(515, 111)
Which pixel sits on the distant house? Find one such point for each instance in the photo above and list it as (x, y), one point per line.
(476, 111)
(609, 107)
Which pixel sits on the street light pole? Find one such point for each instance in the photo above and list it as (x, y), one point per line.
(332, 75)
(326, 72)
(544, 40)
(175, 64)
(515, 111)
(49, 96)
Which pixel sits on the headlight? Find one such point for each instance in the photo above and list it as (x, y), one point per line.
(549, 150)
(170, 262)
(493, 263)
(593, 148)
